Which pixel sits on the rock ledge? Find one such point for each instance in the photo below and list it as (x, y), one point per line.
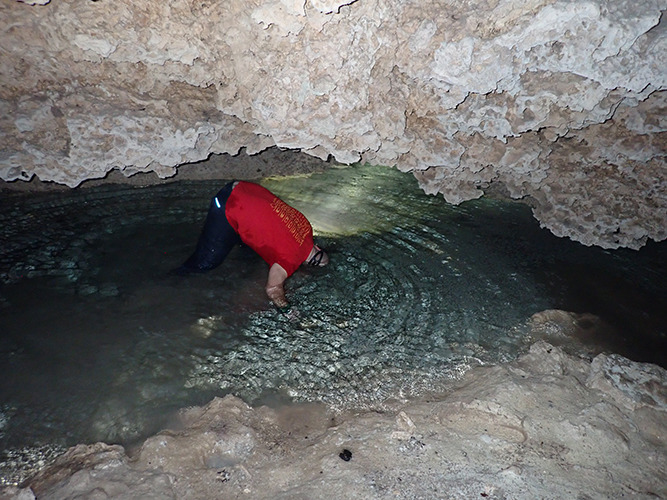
(549, 425)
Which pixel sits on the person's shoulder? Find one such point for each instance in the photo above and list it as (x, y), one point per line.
(255, 189)
(250, 185)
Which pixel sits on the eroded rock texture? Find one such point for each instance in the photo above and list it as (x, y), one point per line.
(549, 425)
(559, 103)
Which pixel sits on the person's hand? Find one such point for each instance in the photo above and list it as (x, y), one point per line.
(289, 312)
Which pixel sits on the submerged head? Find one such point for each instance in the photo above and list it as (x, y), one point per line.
(317, 257)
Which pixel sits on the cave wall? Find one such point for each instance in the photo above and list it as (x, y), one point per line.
(561, 104)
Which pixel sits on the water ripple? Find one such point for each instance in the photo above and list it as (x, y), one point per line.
(98, 343)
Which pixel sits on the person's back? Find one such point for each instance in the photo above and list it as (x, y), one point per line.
(249, 213)
(276, 231)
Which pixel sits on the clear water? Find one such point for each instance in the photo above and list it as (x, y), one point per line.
(97, 342)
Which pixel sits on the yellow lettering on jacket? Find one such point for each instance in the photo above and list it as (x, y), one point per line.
(295, 222)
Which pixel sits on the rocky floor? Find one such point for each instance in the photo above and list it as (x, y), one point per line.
(549, 425)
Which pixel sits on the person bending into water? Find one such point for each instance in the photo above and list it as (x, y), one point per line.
(249, 213)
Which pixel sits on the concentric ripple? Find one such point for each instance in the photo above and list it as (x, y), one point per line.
(402, 308)
(97, 342)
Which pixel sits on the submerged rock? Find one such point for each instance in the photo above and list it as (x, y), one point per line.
(548, 425)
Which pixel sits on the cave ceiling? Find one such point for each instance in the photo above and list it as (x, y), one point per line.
(560, 104)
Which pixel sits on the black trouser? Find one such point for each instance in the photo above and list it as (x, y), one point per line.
(217, 237)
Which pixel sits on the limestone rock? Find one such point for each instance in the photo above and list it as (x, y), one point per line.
(99, 468)
(549, 425)
(558, 103)
(632, 384)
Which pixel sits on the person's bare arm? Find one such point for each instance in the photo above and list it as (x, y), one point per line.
(275, 285)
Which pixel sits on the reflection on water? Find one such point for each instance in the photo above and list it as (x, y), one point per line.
(98, 343)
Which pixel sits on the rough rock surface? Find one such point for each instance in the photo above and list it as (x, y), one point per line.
(559, 103)
(549, 425)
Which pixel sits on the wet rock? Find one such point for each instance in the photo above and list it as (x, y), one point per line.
(633, 385)
(99, 469)
(549, 425)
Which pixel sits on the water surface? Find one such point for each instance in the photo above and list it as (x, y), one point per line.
(97, 342)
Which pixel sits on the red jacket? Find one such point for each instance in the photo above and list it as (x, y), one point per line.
(277, 232)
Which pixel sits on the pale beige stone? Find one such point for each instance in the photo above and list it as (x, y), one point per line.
(549, 425)
(558, 104)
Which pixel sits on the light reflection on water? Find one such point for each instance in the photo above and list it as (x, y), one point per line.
(98, 343)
